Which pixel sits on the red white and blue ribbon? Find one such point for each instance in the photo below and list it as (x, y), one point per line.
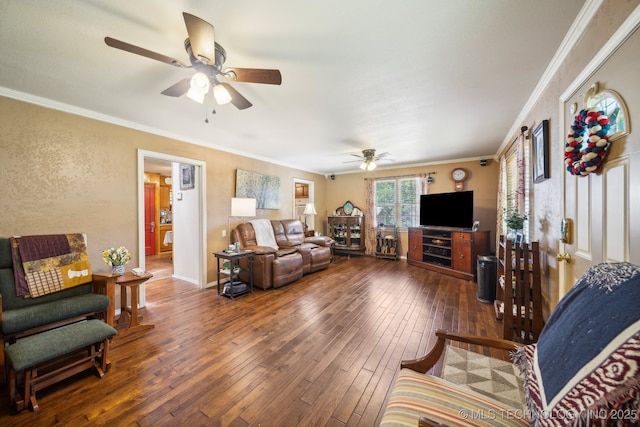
(583, 157)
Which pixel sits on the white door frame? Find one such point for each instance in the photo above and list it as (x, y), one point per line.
(311, 195)
(202, 238)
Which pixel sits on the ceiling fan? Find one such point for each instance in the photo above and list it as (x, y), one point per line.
(368, 159)
(207, 58)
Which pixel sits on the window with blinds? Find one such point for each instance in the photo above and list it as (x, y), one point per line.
(397, 201)
(513, 173)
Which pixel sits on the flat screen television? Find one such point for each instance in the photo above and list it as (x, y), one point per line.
(447, 209)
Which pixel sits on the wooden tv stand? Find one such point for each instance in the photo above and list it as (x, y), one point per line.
(452, 251)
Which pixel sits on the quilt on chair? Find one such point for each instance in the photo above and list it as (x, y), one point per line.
(44, 264)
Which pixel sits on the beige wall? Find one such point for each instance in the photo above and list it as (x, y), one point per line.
(65, 173)
(61, 172)
(547, 197)
(483, 180)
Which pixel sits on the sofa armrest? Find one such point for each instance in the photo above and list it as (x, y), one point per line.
(319, 240)
(287, 251)
(287, 244)
(260, 250)
(426, 362)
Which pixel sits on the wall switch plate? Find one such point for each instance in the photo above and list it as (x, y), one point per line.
(224, 233)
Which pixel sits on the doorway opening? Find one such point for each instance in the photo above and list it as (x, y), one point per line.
(185, 211)
(303, 191)
(158, 217)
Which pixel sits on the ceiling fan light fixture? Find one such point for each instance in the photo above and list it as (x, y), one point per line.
(199, 87)
(368, 165)
(196, 95)
(221, 94)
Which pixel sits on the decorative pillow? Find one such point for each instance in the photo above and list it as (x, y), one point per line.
(588, 354)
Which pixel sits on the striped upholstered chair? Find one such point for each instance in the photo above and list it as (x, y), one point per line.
(427, 400)
(584, 370)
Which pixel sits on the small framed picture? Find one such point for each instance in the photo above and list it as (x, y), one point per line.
(186, 177)
(519, 239)
(540, 152)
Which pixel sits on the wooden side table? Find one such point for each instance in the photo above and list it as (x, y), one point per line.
(234, 260)
(130, 280)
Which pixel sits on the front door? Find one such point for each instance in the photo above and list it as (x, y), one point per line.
(605, 206)
(149, 219)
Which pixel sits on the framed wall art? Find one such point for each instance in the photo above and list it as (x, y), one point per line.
(187, 179)
(265, 189)
(540, 152)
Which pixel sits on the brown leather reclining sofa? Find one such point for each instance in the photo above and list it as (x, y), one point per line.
(296, 254)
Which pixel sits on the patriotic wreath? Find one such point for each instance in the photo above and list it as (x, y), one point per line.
(583, 157)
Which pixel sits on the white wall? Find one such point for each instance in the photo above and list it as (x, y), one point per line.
(186, 228)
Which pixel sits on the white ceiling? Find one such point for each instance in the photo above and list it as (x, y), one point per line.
(426, 80)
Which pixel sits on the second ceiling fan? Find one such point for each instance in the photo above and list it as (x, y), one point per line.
(368, 159)
(207, 57)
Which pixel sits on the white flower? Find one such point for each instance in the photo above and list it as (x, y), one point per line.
(119, 256)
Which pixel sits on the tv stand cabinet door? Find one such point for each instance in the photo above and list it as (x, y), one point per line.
(461, 253)
(415, 244)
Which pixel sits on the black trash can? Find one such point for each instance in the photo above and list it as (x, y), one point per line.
(487, 277)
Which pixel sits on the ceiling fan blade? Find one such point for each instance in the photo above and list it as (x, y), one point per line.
(202, 38)
(384, 155)
(118, 44)
(358, 156)
(239, 101)
(178, 89)
(254, 75)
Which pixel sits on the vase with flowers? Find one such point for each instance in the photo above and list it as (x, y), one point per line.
(116, 258)
(515, 223)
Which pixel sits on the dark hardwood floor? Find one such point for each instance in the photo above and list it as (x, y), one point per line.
(323, 351)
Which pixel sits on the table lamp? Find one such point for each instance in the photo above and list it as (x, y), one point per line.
(240, 207)
(309, 209)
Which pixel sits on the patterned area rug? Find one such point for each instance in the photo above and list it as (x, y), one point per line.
(492, 377)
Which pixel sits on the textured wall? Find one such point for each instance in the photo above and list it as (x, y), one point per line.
(483, 180)
(64, 173)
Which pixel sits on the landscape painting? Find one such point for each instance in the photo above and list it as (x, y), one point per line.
(265, 189)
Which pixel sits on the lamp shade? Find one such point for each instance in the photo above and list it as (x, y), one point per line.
(199, 86)
(368, 165)
(309, 209)
(243, 207)
(221, 94)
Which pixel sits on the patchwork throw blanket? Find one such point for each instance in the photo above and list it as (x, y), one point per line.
(264, 233)
(44, 264)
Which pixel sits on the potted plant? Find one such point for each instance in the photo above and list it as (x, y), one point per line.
(515, 222)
